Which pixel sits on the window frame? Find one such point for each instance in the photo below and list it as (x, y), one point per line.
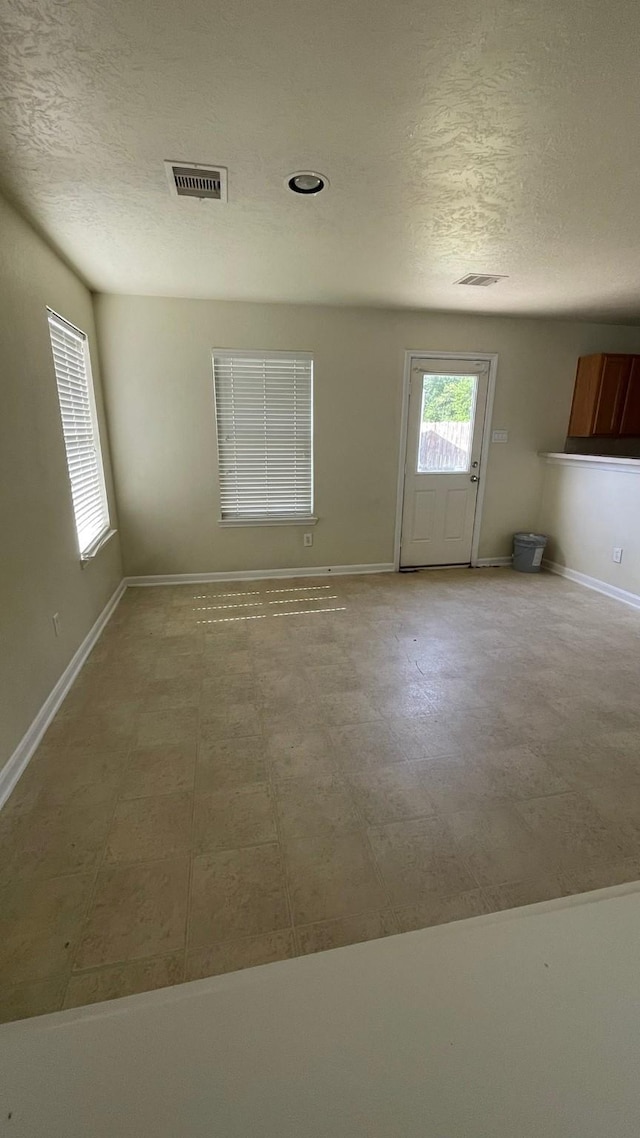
(306, 519)
(87, 553)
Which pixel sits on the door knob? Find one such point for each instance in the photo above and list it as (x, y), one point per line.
(474, 478)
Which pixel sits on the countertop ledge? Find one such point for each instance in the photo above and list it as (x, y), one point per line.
(597, 461)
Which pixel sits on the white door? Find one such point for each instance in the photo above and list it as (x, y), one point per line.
(447, 402)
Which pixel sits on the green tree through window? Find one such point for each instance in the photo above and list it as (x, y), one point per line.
(447, 398)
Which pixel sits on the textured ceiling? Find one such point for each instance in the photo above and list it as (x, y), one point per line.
(459, 136)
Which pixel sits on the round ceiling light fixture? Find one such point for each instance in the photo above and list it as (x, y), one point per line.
(307, 182)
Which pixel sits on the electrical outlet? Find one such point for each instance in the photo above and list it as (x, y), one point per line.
(55, 619)
(617, 554)
(308, 539)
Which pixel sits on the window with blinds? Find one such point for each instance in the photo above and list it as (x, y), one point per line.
(264, 418)
(80, 430)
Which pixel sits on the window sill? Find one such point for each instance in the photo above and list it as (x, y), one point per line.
(309, 520)
(99, 543)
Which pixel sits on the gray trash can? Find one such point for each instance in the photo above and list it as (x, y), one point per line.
(528, 549)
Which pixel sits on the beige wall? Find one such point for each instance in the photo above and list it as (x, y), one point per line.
(587, 512)
(40, 572)
(158, 385)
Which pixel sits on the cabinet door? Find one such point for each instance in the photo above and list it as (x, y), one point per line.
(613, 389)
(585, 396)
(630, 423)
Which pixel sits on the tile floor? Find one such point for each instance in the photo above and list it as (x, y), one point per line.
(246, 772)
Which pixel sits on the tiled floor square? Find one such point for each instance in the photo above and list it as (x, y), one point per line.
(137, 911)
(237, 893)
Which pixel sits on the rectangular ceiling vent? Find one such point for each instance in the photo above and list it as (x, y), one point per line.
(193, 180)
(479, 280)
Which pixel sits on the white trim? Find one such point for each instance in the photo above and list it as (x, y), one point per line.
(409, 356)
(597, 461)
(604, 587)
(19, 760)
(97, 545)
(484, 454)
(259, 574)
(487, 562)
(299, 520)
(256, 354)
(404, 427)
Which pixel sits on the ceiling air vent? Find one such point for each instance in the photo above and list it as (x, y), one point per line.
(479, 280)
(192, 180)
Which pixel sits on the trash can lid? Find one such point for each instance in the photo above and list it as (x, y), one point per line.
(530, 538)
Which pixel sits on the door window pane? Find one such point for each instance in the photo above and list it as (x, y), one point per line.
(446, 423)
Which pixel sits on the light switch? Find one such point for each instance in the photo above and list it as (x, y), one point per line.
(499, 436)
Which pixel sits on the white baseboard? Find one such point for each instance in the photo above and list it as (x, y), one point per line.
(603, 587)
(258, 574)
(487, 562)
(16, 764)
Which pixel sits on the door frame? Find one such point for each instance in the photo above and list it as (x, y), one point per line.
(410, 355)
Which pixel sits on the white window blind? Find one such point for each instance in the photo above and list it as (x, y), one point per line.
(80, 430)
(264, 419)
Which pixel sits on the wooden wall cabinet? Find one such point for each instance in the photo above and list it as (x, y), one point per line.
(630, 421)
(606, 397)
